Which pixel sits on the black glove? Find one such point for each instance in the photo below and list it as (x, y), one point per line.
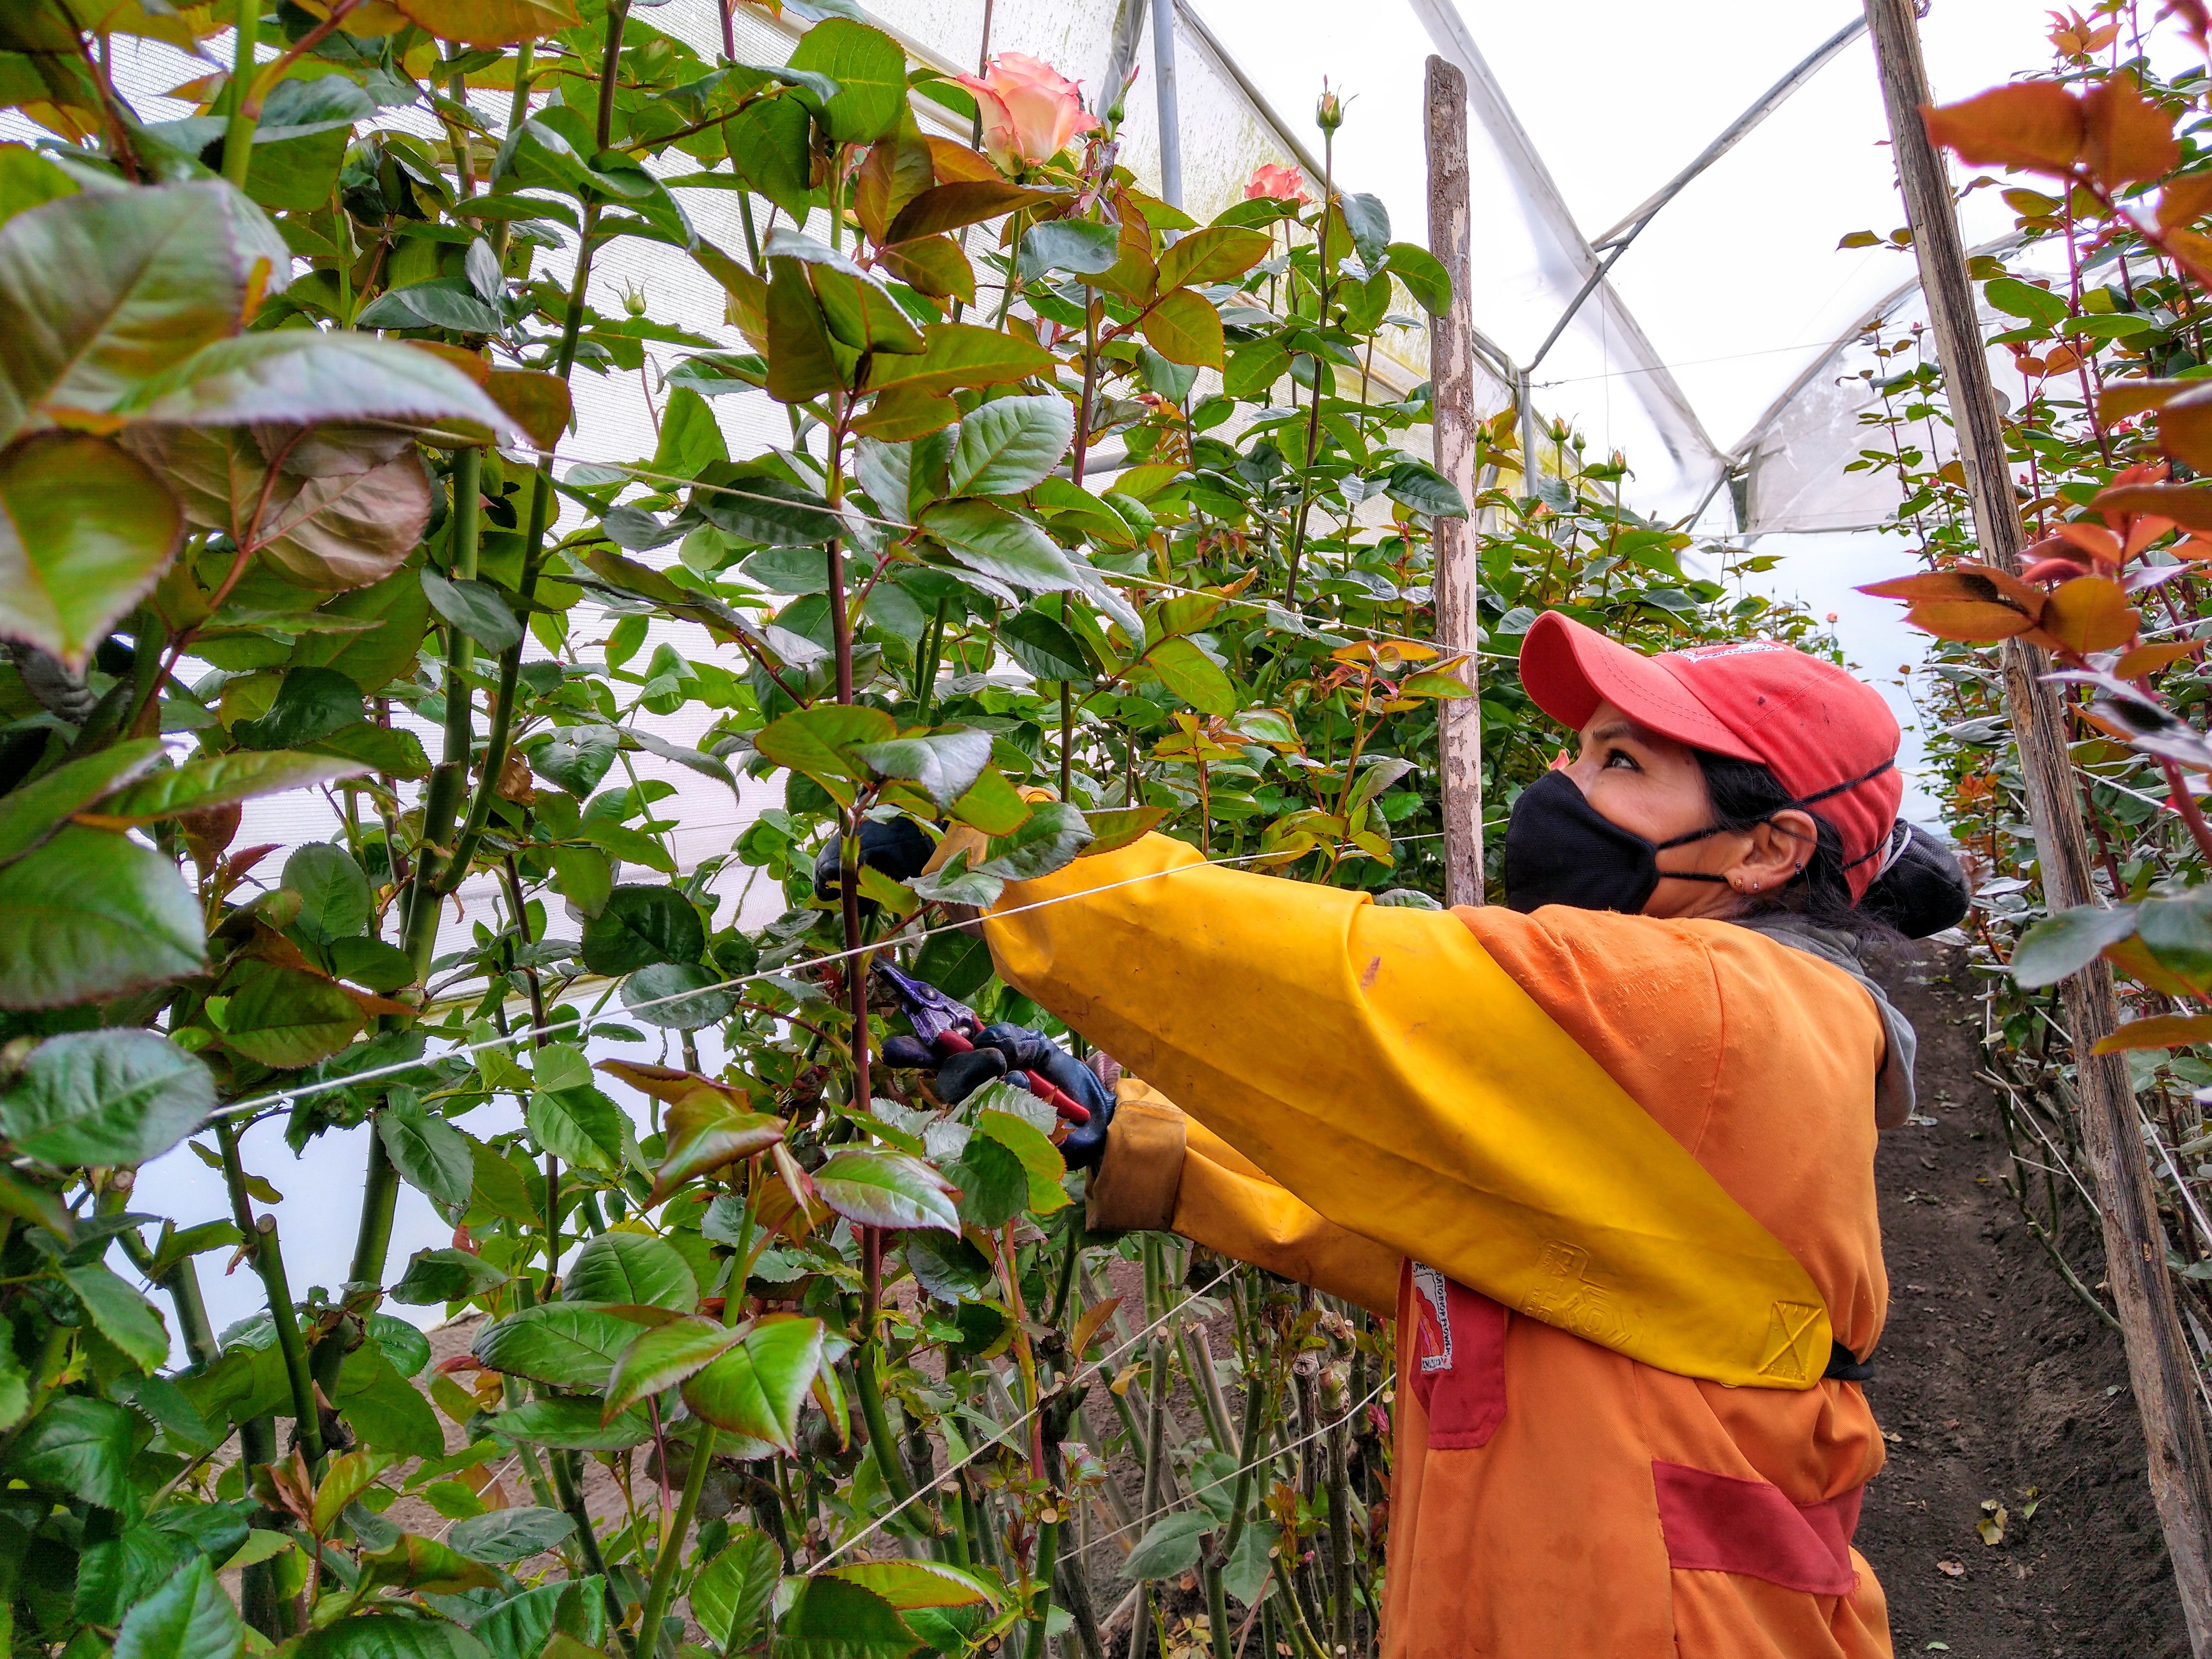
(900, 848)
(1028, 1060)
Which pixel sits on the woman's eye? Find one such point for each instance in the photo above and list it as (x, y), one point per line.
(1621, 757)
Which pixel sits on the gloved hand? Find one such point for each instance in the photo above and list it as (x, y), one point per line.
(899, 848)
(1028, 1060)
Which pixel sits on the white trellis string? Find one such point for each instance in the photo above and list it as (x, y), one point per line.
(397, 1068)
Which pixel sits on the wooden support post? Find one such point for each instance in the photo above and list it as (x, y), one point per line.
(2162, 1372)
(1451, 374)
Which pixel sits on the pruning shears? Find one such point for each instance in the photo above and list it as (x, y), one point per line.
(950, 1040)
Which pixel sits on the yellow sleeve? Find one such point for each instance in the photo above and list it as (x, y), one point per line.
(1378, 1064)
(1167, 1174)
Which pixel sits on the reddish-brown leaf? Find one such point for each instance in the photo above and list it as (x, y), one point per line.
(2033, 125)
(2182, 504)
(2159, 1031)
(1962, 584)
(2125, 139)
(2099, 543)
(2149, 658)
(1966, 620)
(2090, 613)
(2185, 201)
(2184, 428)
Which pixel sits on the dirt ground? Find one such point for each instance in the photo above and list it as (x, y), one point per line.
(1993, 1381)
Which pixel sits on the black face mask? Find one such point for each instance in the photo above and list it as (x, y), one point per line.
(1560, 849)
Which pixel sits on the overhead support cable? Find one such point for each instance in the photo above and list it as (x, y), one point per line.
(1281, 129)
(1679, 428)
(1615, 242)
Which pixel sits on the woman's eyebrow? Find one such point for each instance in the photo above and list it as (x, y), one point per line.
(1612, 729)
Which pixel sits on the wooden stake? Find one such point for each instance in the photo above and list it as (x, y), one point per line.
(1451, 374)
(2159, 1363)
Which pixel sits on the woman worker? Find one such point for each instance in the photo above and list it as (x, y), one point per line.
(1606, 1155)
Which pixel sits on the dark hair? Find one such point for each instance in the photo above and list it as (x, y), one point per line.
(1746, 794)
(1921, 888)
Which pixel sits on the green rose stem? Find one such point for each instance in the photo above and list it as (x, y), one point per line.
(1325, 280)
(182, 1281)
(671, 1547)
(541, 490)
(1048, 1544)
(238, 136)
(441, 801)
(269, 1261)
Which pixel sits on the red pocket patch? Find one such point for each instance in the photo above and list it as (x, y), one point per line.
(1459, 1360)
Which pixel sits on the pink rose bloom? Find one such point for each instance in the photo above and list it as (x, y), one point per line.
(1281, 184)
(1032, 112)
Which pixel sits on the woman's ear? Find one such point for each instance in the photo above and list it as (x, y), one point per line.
(1778, 850)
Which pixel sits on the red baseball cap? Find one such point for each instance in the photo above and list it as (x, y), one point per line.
(1817, 728)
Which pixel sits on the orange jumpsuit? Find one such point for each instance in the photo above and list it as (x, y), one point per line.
(1612, 1176)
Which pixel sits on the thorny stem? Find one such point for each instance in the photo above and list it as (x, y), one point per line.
(1322, 373)
(671, 1545)
(237, 135)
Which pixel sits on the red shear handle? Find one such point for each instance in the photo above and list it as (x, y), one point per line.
(1059, 1100)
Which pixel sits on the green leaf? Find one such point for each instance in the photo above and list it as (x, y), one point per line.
(33, 810)
(577, 759)
(663, 1356)
(994, 1184)
(1070, 245)
(858, 311)
(110, 287)
(92, 915)
(678, 996)
(1115, 827)
(334, 894)
(347, 1478)
(505, 1537)
(389, 1635)
(1043, 647)
(944, 764)
(209, 781)
(987, 537)
(564, 1619)
(86, 530)
(105, 1098)
(756, 505)
(431, 1155)
(769, 147)
(869, 69)
(1187, 672)
(730, 1593)
(384, 1409)
(577, 1125)
(1039, 1159)
(286, 1016)
(1254, 369)
(1424, 275)
(566, 1344)
(800, 363)
(1183, 327)
(478, 609)
(702, 1136)
(80, 1448)
(2040, 306)
(372, 658)
(121, 1314)
(426, 1564)
(1421, 487)
(1368, 221)
(571, 1424)
(436, 1276)
(955, 355)
(1010, 444)
(191, 1617)
(2069, 942)
(584, 878)
(907, 1584)
(1053, 835)
(1218, 254)
(632, 1270)
(447, 302)
(1170, 1548)
(391, 750)
(641, 925)
(820, 742)
(886, 1189)
(831, 1618)
(759, 1388)
(302, 377)
(310, 704)
(691, 437)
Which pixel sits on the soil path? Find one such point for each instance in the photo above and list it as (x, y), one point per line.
(1994, 1382)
